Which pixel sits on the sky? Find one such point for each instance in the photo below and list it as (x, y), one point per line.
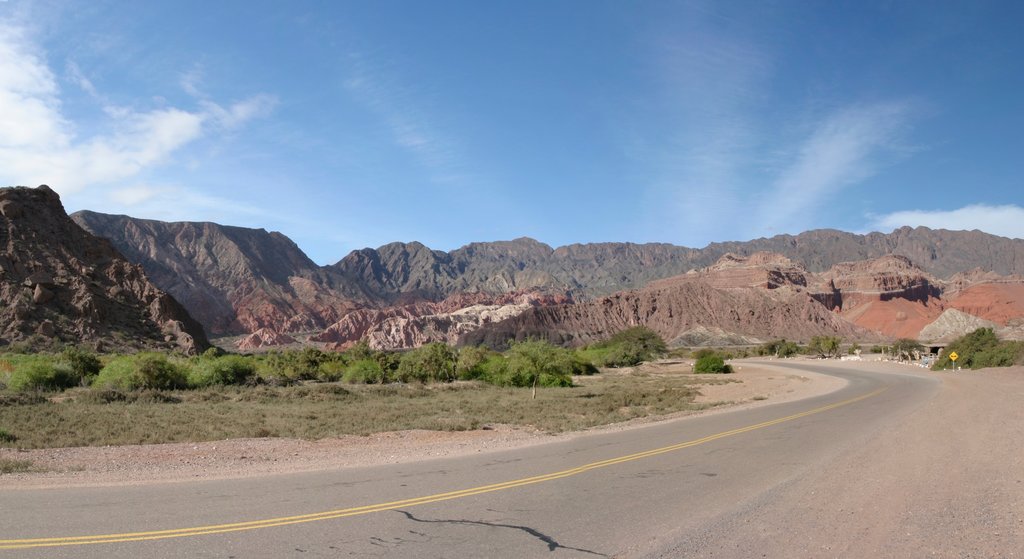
(351, 124)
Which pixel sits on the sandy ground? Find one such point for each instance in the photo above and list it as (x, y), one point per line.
(120, 465)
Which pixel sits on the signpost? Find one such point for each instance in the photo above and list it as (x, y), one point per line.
(953, 357)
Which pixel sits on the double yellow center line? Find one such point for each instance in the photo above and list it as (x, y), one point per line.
(356, 511)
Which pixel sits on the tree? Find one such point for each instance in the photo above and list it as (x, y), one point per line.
(825, 346)
(906, 349)
(779, 348)
(433, 362)
(536, 362)
(711, 364)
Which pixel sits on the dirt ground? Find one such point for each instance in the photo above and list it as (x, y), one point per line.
(120, 465)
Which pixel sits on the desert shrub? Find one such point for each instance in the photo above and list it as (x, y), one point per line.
(83, 364)
(981, 349)
(627, 348)
(434, 362)
(366, 371)
(703, 352)
(825, 346)
(331, 371)
(42, 373)
(226, 369)
(7, 438)
(779, 348)
(713, 364)
(142, 370)
(533, 363)
(471, 362)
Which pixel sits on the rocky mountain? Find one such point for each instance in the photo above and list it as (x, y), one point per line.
(683, 310)
(400, 271)
(240, 281)
(589, 270)
(234, 280)
(58, 282)
(425, 322)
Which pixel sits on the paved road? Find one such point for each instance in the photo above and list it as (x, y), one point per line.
(661, 490)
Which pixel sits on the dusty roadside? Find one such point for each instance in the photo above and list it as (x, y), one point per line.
(119, 465)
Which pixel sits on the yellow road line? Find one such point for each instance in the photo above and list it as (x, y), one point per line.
(367, 509)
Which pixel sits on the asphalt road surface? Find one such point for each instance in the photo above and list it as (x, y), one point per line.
(880, 468)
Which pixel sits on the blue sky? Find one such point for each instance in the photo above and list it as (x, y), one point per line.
(353, 124)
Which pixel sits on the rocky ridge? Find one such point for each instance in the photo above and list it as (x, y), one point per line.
(243, 280)
(232, 279)
(58, 282)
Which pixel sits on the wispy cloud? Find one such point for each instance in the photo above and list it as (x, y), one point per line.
(709, 80)
(1006, 221)
(41, 145)
(401, 110)
(733, 151)
(843, 148)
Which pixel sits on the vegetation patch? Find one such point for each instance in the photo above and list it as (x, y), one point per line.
(981, 349)
(8, 466)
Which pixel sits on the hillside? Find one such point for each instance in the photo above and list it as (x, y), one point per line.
(58, 282)
(232, 279)
(240, 281)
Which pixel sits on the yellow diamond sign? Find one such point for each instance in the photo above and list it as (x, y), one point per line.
(953, 356)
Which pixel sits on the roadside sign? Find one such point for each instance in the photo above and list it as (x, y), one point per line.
(953, 356)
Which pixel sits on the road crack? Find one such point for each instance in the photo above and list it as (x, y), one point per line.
(551, 542)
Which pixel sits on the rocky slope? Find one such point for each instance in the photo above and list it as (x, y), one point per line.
(58, 282)
(682, 310)
(425, 322)
(232, 279)
(238, 281)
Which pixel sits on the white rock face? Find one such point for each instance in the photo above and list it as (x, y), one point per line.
(952, 324)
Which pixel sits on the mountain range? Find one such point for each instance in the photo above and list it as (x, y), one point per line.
(250, 282)
(118, 280)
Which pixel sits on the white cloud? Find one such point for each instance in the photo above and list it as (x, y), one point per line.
(241, 112)
(39, 144)
(844, 148)
(1005, 221)
(398, 107)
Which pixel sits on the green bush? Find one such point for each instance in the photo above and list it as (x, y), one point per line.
(434, 362)
(331, 371)
(627, 348)
(981, 349)
(7, 438)
(42, 374)
(139, 371)
(83, 364)
(713, 364)
(471, 362)
(227, 369)
(366, 371)
(779, 348)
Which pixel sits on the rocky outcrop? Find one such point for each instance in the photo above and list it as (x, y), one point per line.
(762, 269)
(234, 280)
(952, 324)
(263, 338)
(996, 300)
(888, 295)
(422, 323)
(59, 283)
(674, 309)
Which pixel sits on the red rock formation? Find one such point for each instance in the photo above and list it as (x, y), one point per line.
(58, 282)
(263, 338)
(673, 308)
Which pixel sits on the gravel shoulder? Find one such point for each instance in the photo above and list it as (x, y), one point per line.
(757, 385)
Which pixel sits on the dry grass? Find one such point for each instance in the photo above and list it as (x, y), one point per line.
(82, 417)
(16, 466)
